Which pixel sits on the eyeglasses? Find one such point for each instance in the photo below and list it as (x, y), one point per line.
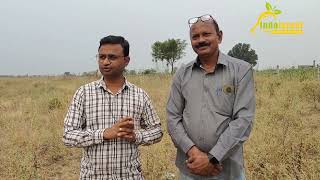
(110, 57)
(203, 18)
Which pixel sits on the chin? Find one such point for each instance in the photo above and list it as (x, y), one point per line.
(204, 51)
(106, 74)
(203, 54)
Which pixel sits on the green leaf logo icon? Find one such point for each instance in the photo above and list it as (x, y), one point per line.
(268, 6)
(277, 11)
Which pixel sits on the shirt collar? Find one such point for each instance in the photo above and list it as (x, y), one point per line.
(221, 60)
(102, 84)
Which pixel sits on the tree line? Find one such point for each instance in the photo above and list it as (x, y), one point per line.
(172, 50)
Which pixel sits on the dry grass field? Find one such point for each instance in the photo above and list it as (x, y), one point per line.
(284, 143)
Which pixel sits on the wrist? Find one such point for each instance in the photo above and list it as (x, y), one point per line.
(107, 134)
(212, 159)
(189, 152)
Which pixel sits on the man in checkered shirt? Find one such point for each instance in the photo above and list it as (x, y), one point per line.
(110, 117)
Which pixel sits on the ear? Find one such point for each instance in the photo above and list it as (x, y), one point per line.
(127, 60)
(220, 35)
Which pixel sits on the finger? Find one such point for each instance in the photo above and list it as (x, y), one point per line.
(190, 163)
(202, 173)
(191, 166)
(128, 130)
(129, 138)
(130, 125)
(127, 124)
(219, 167)
(121, 134)
(214, 171)
(191, 159)
(191, 170)
(199, 172)
(126, 119)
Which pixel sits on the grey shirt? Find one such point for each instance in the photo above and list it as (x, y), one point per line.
(213, 111)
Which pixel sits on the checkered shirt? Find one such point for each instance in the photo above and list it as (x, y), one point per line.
(93, 109)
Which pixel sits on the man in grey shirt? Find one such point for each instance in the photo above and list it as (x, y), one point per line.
(211, 108)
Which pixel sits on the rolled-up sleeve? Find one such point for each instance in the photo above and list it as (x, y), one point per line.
(175, 107)
(243, 115)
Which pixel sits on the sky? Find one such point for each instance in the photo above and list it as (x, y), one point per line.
(42, 37)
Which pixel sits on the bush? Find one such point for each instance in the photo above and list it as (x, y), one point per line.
(149, 71)
(311, 91)
(54, 103)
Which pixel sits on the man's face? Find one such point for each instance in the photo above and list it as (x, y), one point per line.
(111, 60)
(204, 38)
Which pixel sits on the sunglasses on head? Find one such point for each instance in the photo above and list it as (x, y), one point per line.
(203, 18)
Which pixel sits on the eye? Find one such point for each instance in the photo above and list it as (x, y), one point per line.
(102, 56)
(206, 34)
(195, 37)
(112, 57)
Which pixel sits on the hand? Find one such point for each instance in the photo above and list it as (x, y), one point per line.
(210, 170)
(198, 161)
(122, 129)
(193, 151)
(214, 169)
(131, 137)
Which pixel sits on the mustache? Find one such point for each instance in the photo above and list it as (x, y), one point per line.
(202, 44)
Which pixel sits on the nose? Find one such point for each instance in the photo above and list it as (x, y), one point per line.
(201, 39)
(106, 61)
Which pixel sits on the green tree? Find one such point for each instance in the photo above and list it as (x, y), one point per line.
(149, 71)
(244, 52)
(170, 51)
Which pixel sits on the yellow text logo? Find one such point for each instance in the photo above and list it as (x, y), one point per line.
(274, 26)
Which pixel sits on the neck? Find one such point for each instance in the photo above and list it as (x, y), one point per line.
(209, 62)
(114, 82)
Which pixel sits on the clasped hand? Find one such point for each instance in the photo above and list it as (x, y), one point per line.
(124, 128)
(199, 164)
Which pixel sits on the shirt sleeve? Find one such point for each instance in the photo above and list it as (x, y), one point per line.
(150, 131)
(243, 115)
(74, 134)
(175, 107)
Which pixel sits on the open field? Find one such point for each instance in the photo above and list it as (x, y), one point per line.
(284, 144)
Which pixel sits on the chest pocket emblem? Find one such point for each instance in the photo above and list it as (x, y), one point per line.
(228, 89)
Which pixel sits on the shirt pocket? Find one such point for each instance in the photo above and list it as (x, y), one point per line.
(224, 99)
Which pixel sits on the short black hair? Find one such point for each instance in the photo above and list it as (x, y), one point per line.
(111, 39)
